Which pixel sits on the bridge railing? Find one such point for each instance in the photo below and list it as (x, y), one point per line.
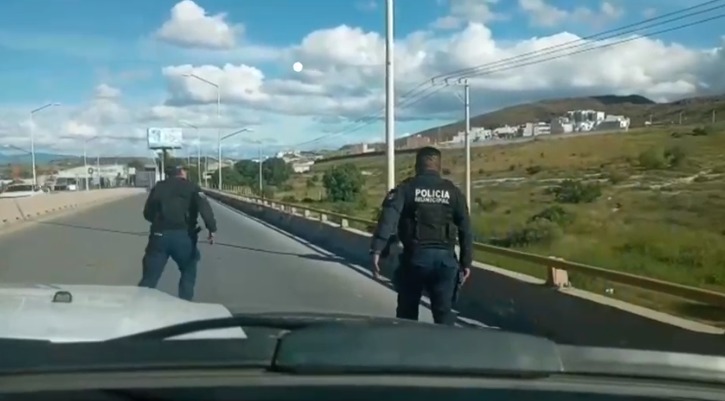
(557, 269)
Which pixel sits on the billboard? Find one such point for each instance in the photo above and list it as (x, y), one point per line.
(164, 138)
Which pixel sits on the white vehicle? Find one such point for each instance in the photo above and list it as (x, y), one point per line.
(92, 313)
(20, 191)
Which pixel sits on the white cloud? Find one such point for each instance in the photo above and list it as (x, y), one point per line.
(347, 80)
(463, 11)
(104, 91)
(543, 14)
(341, 84)
(190, 26)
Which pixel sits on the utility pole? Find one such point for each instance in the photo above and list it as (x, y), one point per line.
(390, 92)
(467, 137)
(466, 99)
(259, 157)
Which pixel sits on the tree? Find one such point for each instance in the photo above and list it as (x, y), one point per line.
(230, 176)
(343, 183)
(276, 171)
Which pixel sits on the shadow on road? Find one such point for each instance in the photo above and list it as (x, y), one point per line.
(311, 256)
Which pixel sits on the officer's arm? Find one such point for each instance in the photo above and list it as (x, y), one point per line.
(389, 217)
(462, 220)
(204, 208)
(151, 206)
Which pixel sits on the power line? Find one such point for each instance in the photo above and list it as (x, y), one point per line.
(525, 63)
(481, 70)
(530, 58)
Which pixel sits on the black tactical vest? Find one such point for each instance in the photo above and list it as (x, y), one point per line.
(427, 219)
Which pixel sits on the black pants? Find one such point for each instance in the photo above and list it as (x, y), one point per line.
(434, 271)
(181, 246)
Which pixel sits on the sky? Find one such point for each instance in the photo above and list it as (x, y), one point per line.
(115, 68)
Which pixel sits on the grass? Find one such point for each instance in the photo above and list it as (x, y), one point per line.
(660, 212)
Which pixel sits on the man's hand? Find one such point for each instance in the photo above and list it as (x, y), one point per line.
(466, 272)
(375, 262)
(211, 238)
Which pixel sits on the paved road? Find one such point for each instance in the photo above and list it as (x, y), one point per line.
(251, 267)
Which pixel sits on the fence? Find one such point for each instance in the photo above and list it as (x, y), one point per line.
(557, 268)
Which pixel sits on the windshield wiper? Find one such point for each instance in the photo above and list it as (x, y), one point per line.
(281, 321)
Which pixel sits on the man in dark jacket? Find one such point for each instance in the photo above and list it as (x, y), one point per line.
(172, 208)
(430, 216)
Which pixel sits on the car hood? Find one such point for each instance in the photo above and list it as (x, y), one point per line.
(99, 313)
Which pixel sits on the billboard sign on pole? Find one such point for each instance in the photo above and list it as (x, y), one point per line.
(164, 138)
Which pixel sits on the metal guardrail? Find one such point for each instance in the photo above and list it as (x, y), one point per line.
(646, 283)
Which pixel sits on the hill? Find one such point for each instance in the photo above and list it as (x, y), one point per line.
(648, 202)
(696, 110)
(40, 158)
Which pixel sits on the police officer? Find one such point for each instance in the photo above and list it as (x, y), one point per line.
(428, 213)
(172, 208)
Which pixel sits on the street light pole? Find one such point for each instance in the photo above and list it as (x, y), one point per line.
(390, 93)
(259, 157)
(98, 169)
(219, 134)
(466, 99)
(467, 137)
(222, 138)
(32, 139)
(198, 150)
(85, 163)
(218, 117)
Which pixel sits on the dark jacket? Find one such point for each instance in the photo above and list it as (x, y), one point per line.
(175, 204)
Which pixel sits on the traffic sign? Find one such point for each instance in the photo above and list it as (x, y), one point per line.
(90, 170)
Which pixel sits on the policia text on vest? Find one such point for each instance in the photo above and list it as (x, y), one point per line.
(432, 196)
(430, 216)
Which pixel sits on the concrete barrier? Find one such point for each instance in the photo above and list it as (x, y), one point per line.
(508, 300)
(18, 210)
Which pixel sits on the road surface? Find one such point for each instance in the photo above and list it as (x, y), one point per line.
(251, 268)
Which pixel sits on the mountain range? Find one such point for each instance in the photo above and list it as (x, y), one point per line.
(694, 110)
(40, 158)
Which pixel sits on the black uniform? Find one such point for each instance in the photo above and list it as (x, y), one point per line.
(429, 214)
(172, 208)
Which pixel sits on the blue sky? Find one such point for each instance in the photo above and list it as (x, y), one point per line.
(62, 50)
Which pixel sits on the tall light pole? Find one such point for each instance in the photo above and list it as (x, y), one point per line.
(85, 160)
(218, 118)
(219, 170)
(390, 92)
(198, 149)
(466, 99)
(32, 138)
(259, 143)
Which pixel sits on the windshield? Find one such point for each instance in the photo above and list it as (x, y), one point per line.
(250, 157)
(19, 188)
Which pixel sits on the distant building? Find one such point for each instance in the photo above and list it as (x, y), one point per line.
(359, 148)
(416, 141)
(561, 125)
(505, 132)
(535, 129)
